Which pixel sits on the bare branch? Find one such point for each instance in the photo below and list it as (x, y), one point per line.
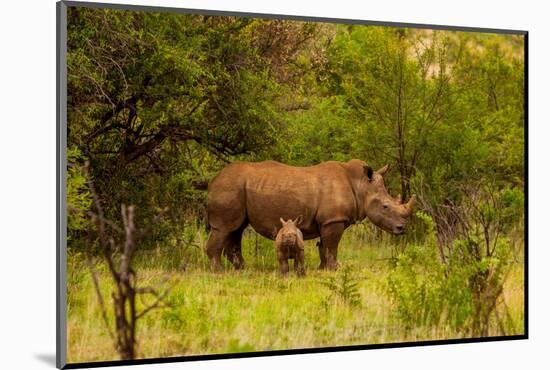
(157, 304)
(124, 298)
(100, 298)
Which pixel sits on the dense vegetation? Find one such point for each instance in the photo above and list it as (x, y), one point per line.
(159, 103)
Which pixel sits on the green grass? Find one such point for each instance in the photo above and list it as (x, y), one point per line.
(256, 309)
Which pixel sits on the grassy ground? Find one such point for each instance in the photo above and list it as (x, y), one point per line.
(256, 309)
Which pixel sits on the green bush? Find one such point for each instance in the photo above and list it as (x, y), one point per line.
(463, 291)
(416, 286)
(79, 198)
(343, 287)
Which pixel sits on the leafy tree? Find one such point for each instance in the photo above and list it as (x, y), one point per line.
(445, 108)
(158, 101)
(397, 85)
(79, 199)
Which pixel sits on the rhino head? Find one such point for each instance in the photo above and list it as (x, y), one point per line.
(289, 232)
(381, 208)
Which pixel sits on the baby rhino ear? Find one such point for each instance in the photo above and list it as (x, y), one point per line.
(298, 220)
(282, 221)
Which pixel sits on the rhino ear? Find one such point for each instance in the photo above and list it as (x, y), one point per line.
(298, 220)
(368, 172)
(383, 170)
(282, 221)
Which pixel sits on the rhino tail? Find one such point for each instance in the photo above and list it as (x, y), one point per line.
(201, 184)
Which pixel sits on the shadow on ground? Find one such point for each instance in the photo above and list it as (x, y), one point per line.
(47, 358)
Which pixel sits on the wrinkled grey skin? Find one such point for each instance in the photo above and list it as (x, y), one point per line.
(290, 245)
(330, 196)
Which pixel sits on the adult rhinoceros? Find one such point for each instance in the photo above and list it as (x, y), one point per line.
(329, 196)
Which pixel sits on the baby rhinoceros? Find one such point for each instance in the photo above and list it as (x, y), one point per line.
(290, 245)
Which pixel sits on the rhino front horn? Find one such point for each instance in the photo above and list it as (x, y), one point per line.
(411, 203)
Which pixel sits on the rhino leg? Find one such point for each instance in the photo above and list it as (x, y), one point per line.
(322, 255)
(330, 237)
(299, 264)
(227, 219)
(217, 242)
(233, 250)
(283, 263)
(282, 257)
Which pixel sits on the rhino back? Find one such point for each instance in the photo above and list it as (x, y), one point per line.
(319, 193)
(262, 192)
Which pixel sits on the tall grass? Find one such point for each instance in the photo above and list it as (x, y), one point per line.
(256, 309)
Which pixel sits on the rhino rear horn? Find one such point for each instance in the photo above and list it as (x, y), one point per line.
(383, 170)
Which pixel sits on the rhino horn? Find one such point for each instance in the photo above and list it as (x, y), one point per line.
(410, 204)
(383, 170)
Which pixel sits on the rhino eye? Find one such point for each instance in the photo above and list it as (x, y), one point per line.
(386, 206)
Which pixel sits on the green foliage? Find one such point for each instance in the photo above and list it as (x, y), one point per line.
(416, 284)
(415, 99)
(428, 228)
(79, 198)
(414, 287)
(462, 291)
(343, 287)
(427, 292)
(513, 204)
(320, 134)
(483, 277)
(158, 102)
